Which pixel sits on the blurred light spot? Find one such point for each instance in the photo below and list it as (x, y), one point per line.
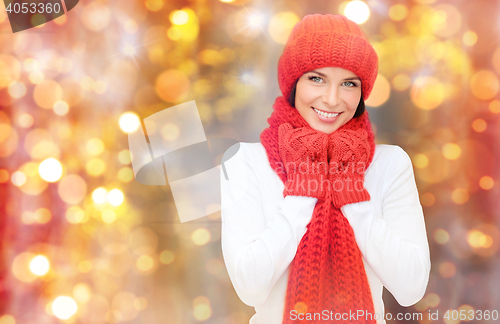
(244, 25)
(209, 57)
(61, 20)
(42, 215)
(100, 195)
(460, 196)
(179, 17)
(131, 26)
(380, 93)
(452, 22)
(115, 197)
(469, 38)
(427, 199)
(129, 122)
(36, 77)
(478, 239)
(172, 85)
(441, 236)
(486, 182)
(432, 300)
(300, 307)
(11, 70)
(143, 241)
(85, 266)
(447, 270)
(17, 89)
(25, 120)
(72, 189)
(50, 170)
(281, 26)
(76, 215)
(86, 83)
(401, 82)
(427, 93)
(34, 183)
(201, 308)
(145, 263)
(95, 16)
(201, 236)
(170, 132)
(4, 176)
(154, 5)
(140, 303)
(39, 265)
(451, 151)
(126, 174)
(47, 93)
(124, 157)
(479, 125)
(484, 85)
(21, 269)
(61, 108)
(28, 217)
(167, 257)
(357, 11)
(7, 319)
(64, 307)
(398, 12)
(108, 215)
(420, 161)
(95, 167)
(81, 292)
(18, 178)
(95, 146)
(174, 33)
(494, 106)
(129, 50)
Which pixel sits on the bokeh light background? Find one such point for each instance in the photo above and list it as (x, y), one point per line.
(83, 242)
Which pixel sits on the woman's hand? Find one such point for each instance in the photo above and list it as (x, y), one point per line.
(349, 152)
(304, 153)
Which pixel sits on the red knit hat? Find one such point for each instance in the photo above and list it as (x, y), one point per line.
(327, 40)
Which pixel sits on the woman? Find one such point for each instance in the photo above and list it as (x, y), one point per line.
(317, 218)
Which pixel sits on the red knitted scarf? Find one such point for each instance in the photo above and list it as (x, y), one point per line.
(327, 275)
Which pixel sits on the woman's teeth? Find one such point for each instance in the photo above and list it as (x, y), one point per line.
(329, 115)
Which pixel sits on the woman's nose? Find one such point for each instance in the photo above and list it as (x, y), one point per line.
(331, 96)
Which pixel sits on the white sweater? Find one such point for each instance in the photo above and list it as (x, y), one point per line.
(261, 230)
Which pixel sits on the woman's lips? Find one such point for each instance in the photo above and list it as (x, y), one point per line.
(323, 116)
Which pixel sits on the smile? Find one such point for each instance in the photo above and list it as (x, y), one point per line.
(325, 114)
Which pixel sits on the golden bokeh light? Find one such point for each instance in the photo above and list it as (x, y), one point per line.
(479, 125)
(478, 239)
(18, 178)
(11, 70)
(115, 197)
(432, 300)
(357, 11)
(172, 85)
(60, 108)
(447, 270)
(17, 89)
(39, 265)
(145, 263)
(108, 215)
(420, 160)
(95, 167)
(486, 182)
(427, 93)
(7, 319)
(126, 174)
(82, 292)
(427, 199)
(21, 267)
(451, 151)
(441, 236)
(25, 120)
(154, 5)
(281, 26)
(4, 176)
(201, 236)
(460, 196)
(167, 257)
(201, 308)
(179, 17)
(96, 16)
(85, 266)
(484, 85)
(76, 215)
(50, 170)
(401, 82)
(47, 93)
(129, 122)
(398, 12)
(72, 189)
(100, 195)
(494, 106)
(380, 93)
(469, 38)
(64, 307)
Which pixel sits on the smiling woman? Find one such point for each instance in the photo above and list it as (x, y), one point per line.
(317, 218)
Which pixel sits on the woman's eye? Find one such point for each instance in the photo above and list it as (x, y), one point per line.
(352, 84)
(315, 78)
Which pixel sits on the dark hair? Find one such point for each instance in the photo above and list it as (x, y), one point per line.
(359, 110)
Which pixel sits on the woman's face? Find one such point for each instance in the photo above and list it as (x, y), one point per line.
(327, 97)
